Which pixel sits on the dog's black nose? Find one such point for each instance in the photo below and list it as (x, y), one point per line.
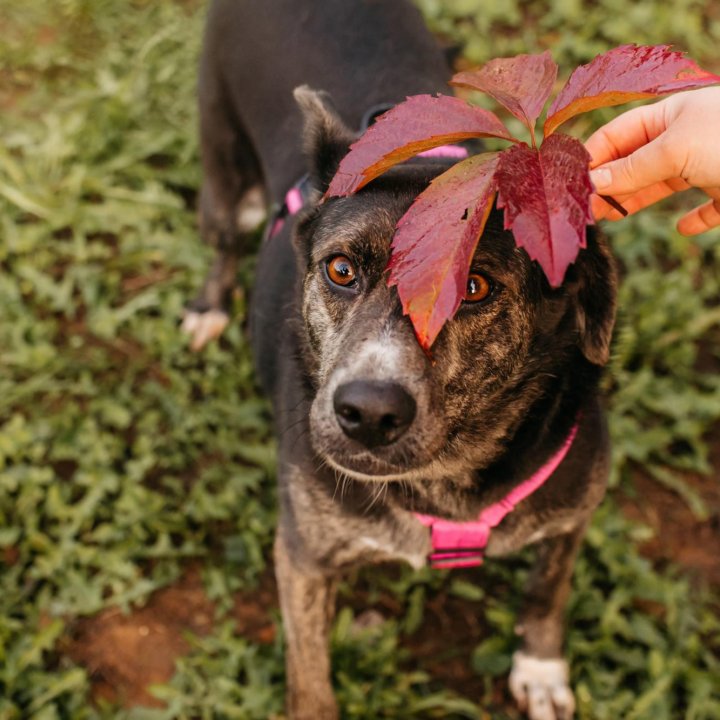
(374, 413)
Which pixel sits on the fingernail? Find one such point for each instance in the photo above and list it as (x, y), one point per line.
(601, 178)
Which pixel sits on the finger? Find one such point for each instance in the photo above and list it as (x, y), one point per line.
(605, 210)
(633, 202)
(601, 209)
(625, 134)
(658, 161)
(700, 219)
(650, 195)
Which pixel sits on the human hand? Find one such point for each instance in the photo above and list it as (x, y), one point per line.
(653, 151)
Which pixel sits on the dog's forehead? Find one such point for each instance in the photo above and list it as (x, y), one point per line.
(364, 225)
(361, 222)
(497, 253)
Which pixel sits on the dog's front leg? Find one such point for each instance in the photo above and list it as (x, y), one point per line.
(307, 601)
(540, 679)
(232, 198)
(228, 228)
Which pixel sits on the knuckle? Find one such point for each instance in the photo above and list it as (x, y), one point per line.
(710, 213)
(671, 155)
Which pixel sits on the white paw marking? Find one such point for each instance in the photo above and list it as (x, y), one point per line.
(541, 687)
(252, 210)
(417, 561)
(204, 327)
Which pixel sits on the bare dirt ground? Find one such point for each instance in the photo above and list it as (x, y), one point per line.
(126, 653)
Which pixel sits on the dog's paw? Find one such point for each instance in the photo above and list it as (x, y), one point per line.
(202, 327)
(366, 620)
(541, 687)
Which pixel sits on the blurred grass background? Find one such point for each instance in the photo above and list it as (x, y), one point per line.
(125, 458)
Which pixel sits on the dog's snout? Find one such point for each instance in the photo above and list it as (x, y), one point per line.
(374, 413)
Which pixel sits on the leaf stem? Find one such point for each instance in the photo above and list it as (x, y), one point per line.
(613, 203)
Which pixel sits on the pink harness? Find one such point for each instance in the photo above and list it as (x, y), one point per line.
(462, 544)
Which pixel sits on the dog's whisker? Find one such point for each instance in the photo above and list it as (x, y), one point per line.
(341, 478)
(282, 431)
(301, 436)
(346, 481)
(377, 493)
(335, 490)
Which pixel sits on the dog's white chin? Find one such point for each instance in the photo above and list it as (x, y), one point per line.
(366, 477)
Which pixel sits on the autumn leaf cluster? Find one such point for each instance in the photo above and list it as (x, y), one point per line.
(543, 190)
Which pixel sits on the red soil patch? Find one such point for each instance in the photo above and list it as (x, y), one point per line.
(126, 654)
(679, 537)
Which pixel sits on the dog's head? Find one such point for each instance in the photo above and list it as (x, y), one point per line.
(383, 409)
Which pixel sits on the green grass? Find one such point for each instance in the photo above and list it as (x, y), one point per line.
(123, 456)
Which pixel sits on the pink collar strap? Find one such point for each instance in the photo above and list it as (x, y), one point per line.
(462, 544)
(294, 201)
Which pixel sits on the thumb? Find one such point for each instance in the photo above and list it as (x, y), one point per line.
(646, 166)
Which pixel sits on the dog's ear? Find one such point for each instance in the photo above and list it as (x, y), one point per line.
(326, 138)
(595, 284)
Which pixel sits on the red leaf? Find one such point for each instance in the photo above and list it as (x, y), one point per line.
(420, 123)
(546, 196)
(435, 241)
(522, 84)
(629, 72)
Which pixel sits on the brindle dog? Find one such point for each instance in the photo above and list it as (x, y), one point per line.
(371, 429)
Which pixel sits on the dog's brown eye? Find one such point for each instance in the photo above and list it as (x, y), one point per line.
(478, 288)
(341, 271)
